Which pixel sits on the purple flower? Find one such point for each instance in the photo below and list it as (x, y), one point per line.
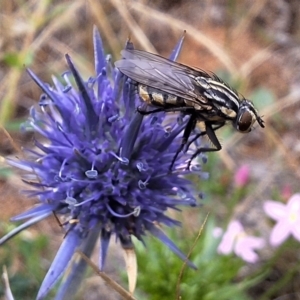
(287, 217)
(101, 165)
(236, 240)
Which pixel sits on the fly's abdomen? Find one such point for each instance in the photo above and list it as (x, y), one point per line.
(159, 98)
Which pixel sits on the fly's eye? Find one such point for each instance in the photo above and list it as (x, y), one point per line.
(245, 120)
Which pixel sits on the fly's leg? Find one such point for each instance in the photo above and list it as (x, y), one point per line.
(171, 109)
(213, 138)
(144, 113)
(186, 134)
(203, 133)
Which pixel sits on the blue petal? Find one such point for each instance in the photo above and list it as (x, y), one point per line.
(129, 95)
(60, 263)
(130, 135)
(24, 226)
(44, 87)
(89, 109)
(19, 164)
(98, 51)
(71, 283)
(177, 49)
(162, 237)
(44, 209)
(105, 238)
(129, 45)
(169, 140)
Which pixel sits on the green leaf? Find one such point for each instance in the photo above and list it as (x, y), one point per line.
(17, 60)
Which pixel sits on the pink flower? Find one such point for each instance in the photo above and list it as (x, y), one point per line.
(241, 176)
(236, 240)
(287, 217)
(286, 192)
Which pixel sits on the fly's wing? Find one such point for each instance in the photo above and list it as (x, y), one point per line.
(160, 73)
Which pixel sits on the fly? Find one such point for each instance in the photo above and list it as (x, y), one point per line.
(170, 86)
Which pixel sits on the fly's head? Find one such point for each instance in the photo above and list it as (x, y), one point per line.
(246, 117)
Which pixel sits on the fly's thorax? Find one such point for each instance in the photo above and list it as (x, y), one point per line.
(228, 112)
(224, 100)
(198, 104)
(218, 93)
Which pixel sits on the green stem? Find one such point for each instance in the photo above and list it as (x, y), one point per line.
(278, 285)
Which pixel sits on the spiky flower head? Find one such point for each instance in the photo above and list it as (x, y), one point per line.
(102, 165)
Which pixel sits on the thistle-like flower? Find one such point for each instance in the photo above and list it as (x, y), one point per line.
(102, 165)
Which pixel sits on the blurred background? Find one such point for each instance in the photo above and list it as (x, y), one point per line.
(254, 45)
